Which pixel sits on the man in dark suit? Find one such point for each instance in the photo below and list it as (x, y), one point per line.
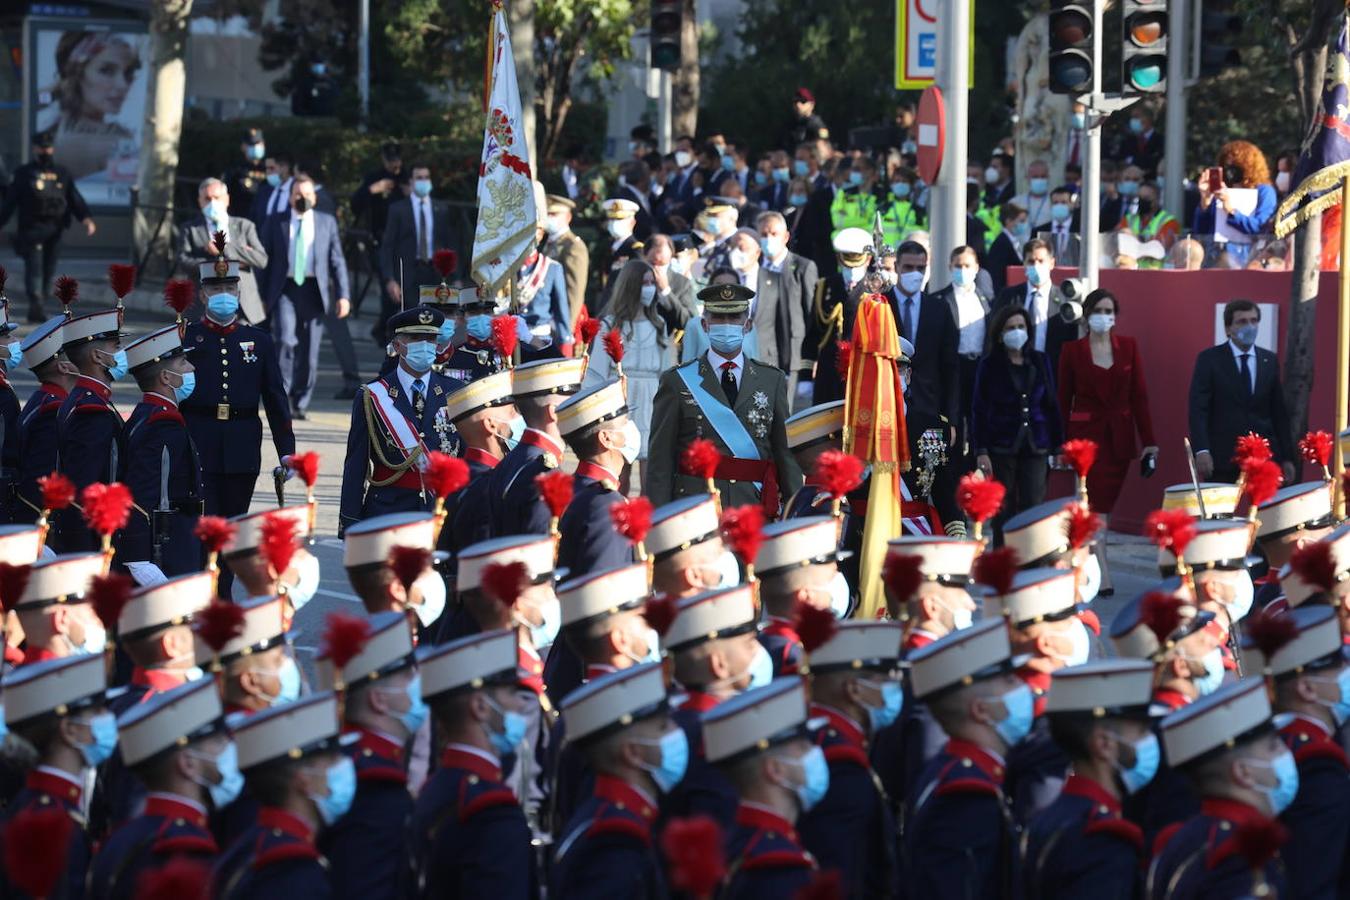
(1038, 296)
(636, 185)
(968, 298)
(1006, 249)
(415, 228)
(1236, 389)
(273, 197)
(242, 245)
(1061, 232)
(680, 302)
(775, 194)
(797, 277)
(307, 271)
(1145, 146)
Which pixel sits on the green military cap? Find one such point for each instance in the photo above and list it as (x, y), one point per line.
(726, 299)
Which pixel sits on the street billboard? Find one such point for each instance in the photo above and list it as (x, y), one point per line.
(916, 42)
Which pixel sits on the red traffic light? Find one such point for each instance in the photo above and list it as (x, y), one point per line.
(1070, 27)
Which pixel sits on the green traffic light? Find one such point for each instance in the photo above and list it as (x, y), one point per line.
(1146, 76)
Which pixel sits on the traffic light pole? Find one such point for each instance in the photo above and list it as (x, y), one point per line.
(665, 111)
(1090, 214)
(1174, 137)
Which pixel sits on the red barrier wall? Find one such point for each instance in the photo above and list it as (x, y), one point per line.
(1171, 314)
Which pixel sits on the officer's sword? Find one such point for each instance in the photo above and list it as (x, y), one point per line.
(160, 518)
(1195, 478)
(279, 484)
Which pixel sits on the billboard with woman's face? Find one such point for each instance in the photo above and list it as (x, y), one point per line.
(90, 86)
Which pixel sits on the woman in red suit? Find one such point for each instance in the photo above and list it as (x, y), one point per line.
(1102, 397)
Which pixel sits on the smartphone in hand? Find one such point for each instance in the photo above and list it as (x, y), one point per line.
(1214, 179)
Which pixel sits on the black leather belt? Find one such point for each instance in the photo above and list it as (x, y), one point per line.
(223, 412)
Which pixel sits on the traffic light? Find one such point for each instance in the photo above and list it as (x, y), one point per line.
(1071, 62)
(667, 22)
(1143, 58)
(1220, 29)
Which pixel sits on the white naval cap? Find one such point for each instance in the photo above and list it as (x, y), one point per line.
(852, 242)
(370, 541)
(288, 731)
(603, 593)
(54, 687)
(1130, 631)
(469, 663)
(681, 524)
(961, 658)
(824, 421)
(591, 407)
(618, 208)
(1218, 544)
(1316, 645)
(548, 376)
(1298, 507)
(1039, 532)
(1037, 595)
(1105, 687)
(611, 702)
(44, 342)
(793, 543)
(944, 559)
(60, 579)
(249, 526)
(157, 346)
(90, 327)
(755, 720)
(1221, 499)
(1219, 721)
(20, 544)
(534, 550)
(264, 629)
(172, 602)
(718, 613)
(481, 393)
(389, 649)
(170, 720)
(859, 644)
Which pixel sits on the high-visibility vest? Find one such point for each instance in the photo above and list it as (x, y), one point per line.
(1150, 231)
(851, 208)
(992, 226)
(899, 218)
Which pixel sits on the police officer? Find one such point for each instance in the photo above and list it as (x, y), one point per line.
(481, 414)
(621, 245)
(176, 745)
(392, 420)
(237, 369)
(1296, 516)
(91, 439)
(539, 389)
(293, 765)
(1081, 844)
(248, 174)
(476, 357)
(855, 687)
(251, 569)
(621, 724)
(160, 466)
(798, 562)
(35, 430)
(59, 708)
(856, 204)
(835, 303)
(366, 552)
(384, 706)
(596, 425)
(686, 549)
(468, 836)
(47, 201)
(55, 612)
(761, 741)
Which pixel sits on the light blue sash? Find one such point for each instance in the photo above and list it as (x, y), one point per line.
(724, 420)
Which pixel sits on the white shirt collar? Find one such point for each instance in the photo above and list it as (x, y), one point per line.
(406, 379)
(1238, 351)
(717, 361)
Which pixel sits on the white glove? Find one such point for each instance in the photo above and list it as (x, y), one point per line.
(146, 573)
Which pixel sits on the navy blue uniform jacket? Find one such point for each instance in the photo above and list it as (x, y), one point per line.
(365, 847)
(606, 850)
(155, 428)
(274, 860)
(91, 443)
(168, 829)
(1081, 846)
(45, 790)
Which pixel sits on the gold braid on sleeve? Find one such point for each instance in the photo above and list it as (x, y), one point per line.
(371, 431)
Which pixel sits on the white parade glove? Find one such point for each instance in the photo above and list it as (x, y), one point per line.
(146, 573)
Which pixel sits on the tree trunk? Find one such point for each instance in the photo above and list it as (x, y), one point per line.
(684, 83)
(520, 19)
(163, 129)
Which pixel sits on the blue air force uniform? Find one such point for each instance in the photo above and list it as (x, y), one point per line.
(157, 435)
(169, 828)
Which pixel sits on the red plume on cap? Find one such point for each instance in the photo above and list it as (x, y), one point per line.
(1270, 630)
(587, 329)
(555, 489)
(843, 359)
(614, 345)
(278, 540)
(813, 625)
(178, 294)
(107, 595)
(1251, 446)
(344, 636)
(660, 611)
(700, 458)
(902, 573)
(743, 530)
(1080, 454)
(67, 290)
(1082, 526)
(306, 466)
(1160, 613)
(215, 532)
(695, 857)
(106, 506)
(1263, 480)
(445, 262)
(1315, 564)
(632, 519)
(826, 884)
(122, 278)
(13, 580)
(1257, 841)
(36, 846)
(504, 335)
(838, 472)
(219, 623)
(408, 563)
(181, 878)
(58, 491)
(503, 582)
(995, 569)
(979, 498)
(445, 474)
(1316, 447)
(1170, 529)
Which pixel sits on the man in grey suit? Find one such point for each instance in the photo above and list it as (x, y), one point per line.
(242, 245)
(307, 278)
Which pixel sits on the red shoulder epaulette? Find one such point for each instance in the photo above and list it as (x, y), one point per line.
(1164, 836)
(777, 859)
(1321, 750)
(185, 843)
(284, 852)
(50, 406)
(967, 786)
(846, 753)
(1123, 829)
(91, 406)
(381, 774)
(487, 800)
(620, 825)
(166, 415)
(1089, 619)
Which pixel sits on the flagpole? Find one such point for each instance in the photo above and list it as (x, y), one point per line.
(1342, 344)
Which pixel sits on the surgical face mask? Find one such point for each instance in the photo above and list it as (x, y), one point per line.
(227, 790)
(1286, 781)
(677, 266)
(683, 158)
(341, 780)
(103, 739)
(1039, 186)
(840, 595)
(517, 429)
(1101, 323)
(288, 675)
(770, 246)
(674, 746)
(1080, 643)
(632, 442)
(1244, 592)
(652, 641)
(1147, 756)
(991, 175)
(14, 355)
(553, 226)
(513, 729)
(1037, 273)
(962, 277)
(422, 187)
(855, 178)
(728, 570)
(1281, 182)
(912, 282)
(1340, 708)
(447, 332)
(1021, 711)
(546, 632)
(222, 307)
(1161, 182)
(962, 616)
(307, 580)
(256, 152)
(761, 178)
(1209, 682)
(1022, 229)
(217, 211)
(761, 668)
(797, 200)
(1136, 126)
(855, 273)
(187, 383)
(617, 228)
(416, 715)
(1060, 212)
(647, 294)
(726, 339)
(274, 179)
(1244, 336)
(479, 327)
(728, 163)
(815, 778)
(432, 587)
(118, 369)
(419, 355)
(901, 189)
(781, 175)
(1128, 188)
(1015, 338)
(95, 638)
(194, 673)
(801, 168)
(1080, 120)
(739, 259)
(1091, 574)
(892, 701)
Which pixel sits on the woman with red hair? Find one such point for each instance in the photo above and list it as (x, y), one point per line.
(1244, 167)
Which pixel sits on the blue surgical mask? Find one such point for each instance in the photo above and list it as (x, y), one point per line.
(782, 175)
(419, 355)
(1286, 781)
(288, 674)
(1015, 338)
(726, 339)
(1022, 229)
(674, 760)
(1039, 186)
(517, 429)
(274, 179)
(1340, 708)
(422, 186)
(4, 729)
(222, 307)
(1035, 275)
(479, 327)
(962, 277)
(855, 177)
(797, 201)
(341, 780)
(15, 357)
(103, 733)
(1147, 756)
(1136, 126)
(256, 151)
(1060, 212)
(900, 189)
(1080, 120)
(1244, 336)
(118, 369)
(728, 163)
(1211, 681)
(761, 179)
(761, 668)
(801, 168)
(815, 778)
(546, 632)
(185, 388)
(513, 729)
(1021, 709)
(1128, 188)
(307, 581)
(892, 701)
(416, 714)
(447, 332)
(227, 790)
